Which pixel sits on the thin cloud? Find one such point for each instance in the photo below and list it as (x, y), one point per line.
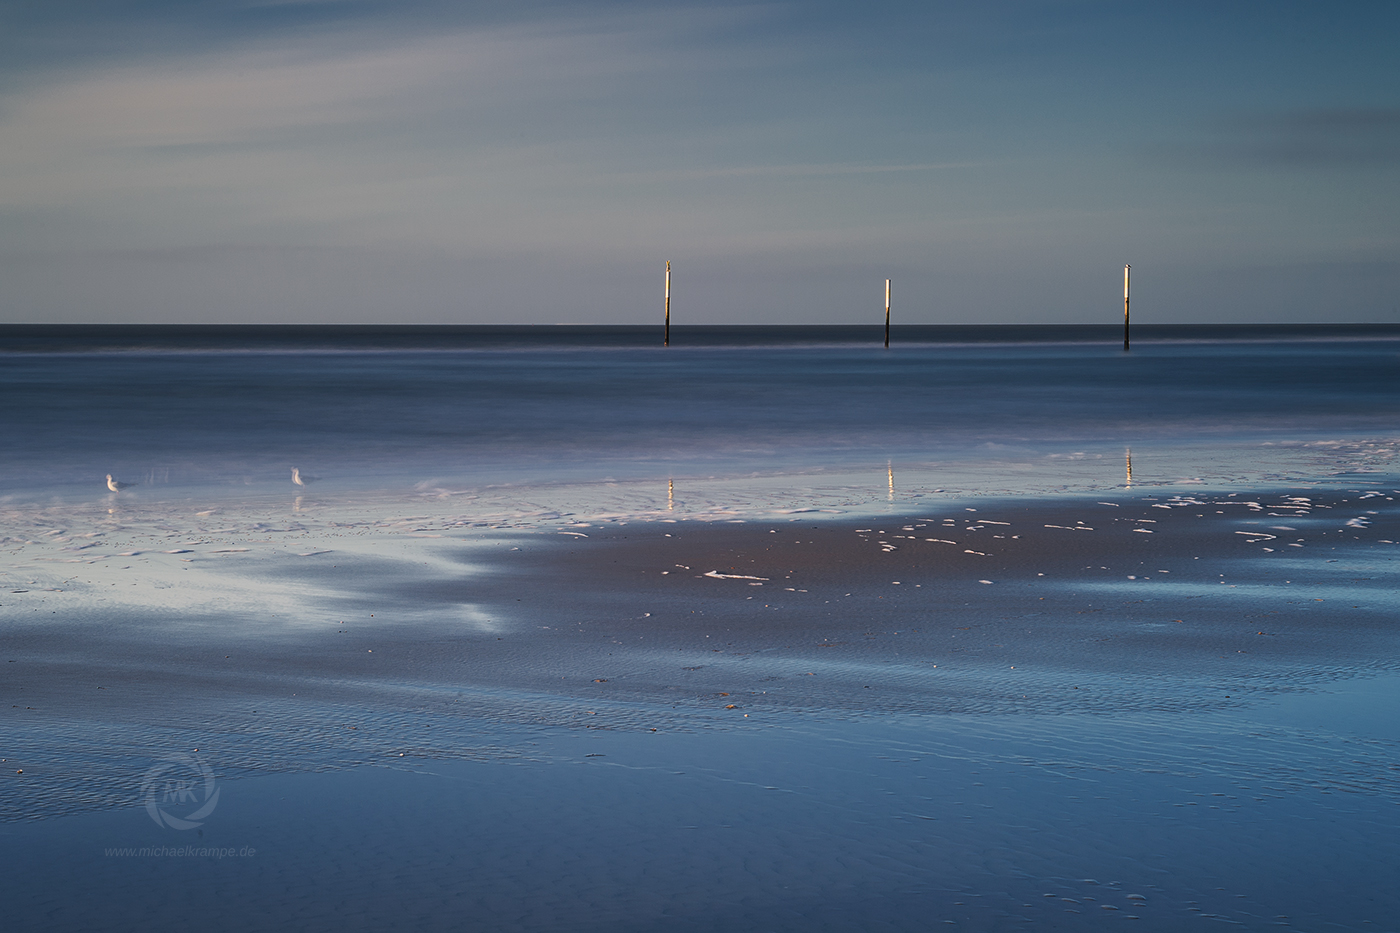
(834, 168)
(343, 127)
(1339, 137)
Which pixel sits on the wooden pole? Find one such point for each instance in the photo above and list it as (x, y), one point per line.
(666, 341)
(887, 314)
(1126, 271)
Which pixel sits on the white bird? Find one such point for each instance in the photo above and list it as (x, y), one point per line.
(116, 486)
(302, 480)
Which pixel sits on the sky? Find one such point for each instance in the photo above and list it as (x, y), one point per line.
(420, 161)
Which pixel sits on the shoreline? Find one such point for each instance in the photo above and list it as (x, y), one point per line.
(1162, 609)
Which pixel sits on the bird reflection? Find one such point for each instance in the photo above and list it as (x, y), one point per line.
(890, 465)
(670, 495)
(1128, 456)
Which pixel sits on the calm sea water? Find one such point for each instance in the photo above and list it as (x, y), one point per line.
(176, 409)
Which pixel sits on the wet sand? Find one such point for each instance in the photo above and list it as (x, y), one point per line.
(1145, 652)
(1095, 606)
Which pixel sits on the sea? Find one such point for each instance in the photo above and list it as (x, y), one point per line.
(347, 628)
(744, 417)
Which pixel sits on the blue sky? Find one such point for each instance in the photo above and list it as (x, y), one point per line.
(323, 161)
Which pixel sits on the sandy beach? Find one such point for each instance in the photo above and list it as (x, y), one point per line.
(1152, 586)
(1143, 643)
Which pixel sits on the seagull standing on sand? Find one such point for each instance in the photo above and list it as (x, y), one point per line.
(116, 486)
